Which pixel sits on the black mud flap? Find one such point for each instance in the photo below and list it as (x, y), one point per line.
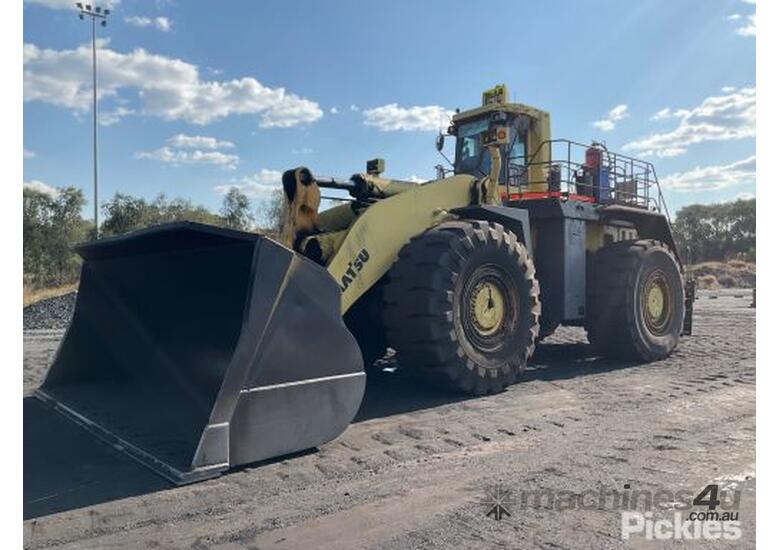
(195, 349)
(690, 298)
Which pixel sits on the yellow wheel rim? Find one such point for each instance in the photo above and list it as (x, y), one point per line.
(657, 302)
(487, 308)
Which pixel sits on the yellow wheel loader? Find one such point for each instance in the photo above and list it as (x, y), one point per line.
(195, 349)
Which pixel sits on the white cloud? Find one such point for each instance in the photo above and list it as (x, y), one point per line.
(354, 108)
(728, 89)
(749, 29)
(717, 118)
(180, 157)
(40, 187)
(617, 113)
(168, 88)
(392, 117)
(747, 22)
(415, 179)
(184, 141)
(69, 4)
(666, 113)
(745, 196)
(663, 114)
(259, 185)
(139, 21)
(710, 178)
(112, 116)
(29, 154)
(183, 149)
(163, 24)
(334, 110)
(671, 152)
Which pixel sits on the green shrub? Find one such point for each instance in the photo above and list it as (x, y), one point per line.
(124, 213)
(706, 232)
(52, 226)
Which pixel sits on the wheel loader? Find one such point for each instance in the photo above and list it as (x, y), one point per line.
(195, 349)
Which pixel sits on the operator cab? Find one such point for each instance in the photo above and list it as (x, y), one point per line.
(472, 157)
(522, 155)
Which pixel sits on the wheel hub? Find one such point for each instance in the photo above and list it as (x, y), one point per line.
(656, 302)
(488, 311)
(487, 307)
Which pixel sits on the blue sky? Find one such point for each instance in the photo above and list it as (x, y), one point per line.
(197, 98)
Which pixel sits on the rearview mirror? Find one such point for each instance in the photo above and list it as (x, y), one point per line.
(440, 142)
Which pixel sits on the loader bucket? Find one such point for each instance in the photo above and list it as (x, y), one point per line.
(195, 349)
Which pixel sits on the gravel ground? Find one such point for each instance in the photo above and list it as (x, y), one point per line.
(413, 469)
(52, 313)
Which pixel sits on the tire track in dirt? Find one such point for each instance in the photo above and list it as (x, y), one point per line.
(574, 422)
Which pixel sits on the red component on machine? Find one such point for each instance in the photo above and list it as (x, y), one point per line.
(545, 195)
(593, 157)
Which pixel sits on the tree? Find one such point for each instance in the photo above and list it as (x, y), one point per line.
(717, 232)
(236, 210)
(52, 226)
(272, 212)
(179, 209)
(125, 213)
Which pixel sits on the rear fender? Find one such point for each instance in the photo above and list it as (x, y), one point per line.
(514, 219)
(649, 225)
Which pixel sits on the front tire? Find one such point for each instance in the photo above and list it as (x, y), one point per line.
(364, 321)
(635, 301)
(462, 306)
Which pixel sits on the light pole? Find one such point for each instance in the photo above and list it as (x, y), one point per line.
(95, 14)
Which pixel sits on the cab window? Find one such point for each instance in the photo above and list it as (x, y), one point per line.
(517, 161)
(469, 156)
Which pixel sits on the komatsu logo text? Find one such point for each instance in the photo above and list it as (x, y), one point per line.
(354, 268)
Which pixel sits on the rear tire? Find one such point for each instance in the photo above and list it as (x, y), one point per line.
(462, 306)
(635, 301)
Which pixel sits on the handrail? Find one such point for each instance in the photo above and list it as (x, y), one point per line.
(629, 180)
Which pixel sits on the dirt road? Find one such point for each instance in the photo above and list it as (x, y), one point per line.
(421, 469)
